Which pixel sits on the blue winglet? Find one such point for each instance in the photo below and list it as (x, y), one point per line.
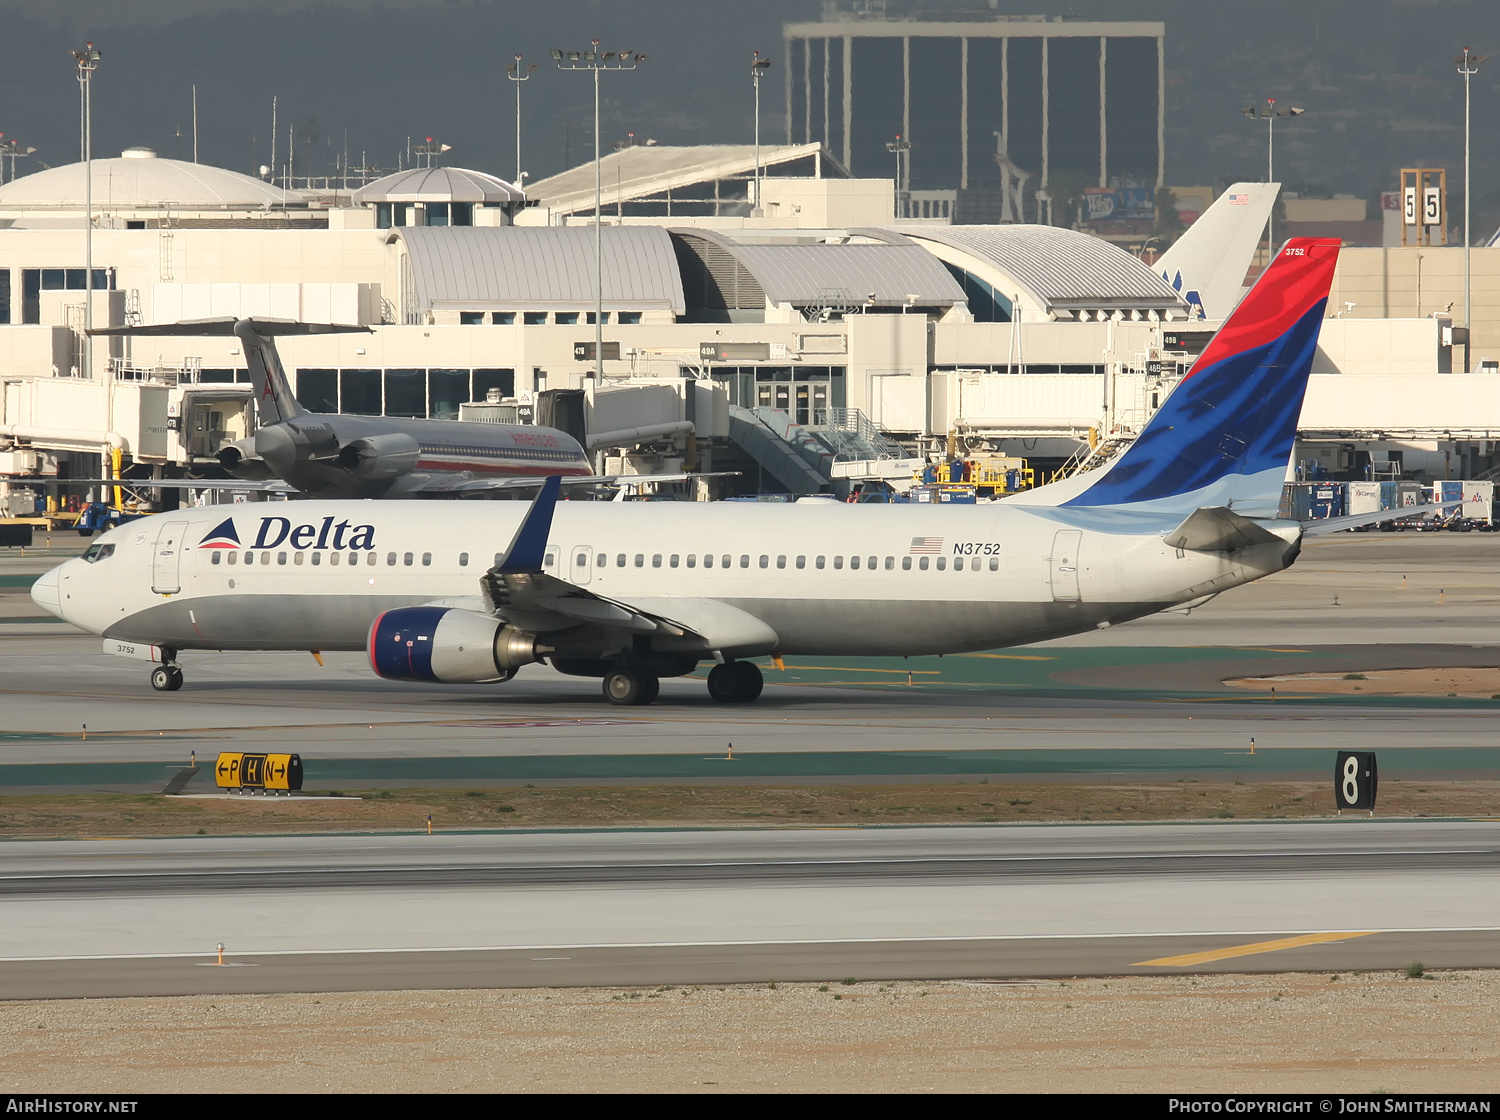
(529, 545)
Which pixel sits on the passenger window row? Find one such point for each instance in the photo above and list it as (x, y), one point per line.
(232, 557)
(855, 563)
(621, 560)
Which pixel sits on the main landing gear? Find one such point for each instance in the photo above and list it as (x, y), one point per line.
(167, 677)
(628, 685)
(735, 682)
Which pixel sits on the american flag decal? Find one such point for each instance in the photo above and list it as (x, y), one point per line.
(926, 546)
(1239, 200)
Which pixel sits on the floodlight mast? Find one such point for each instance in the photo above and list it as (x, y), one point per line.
(900, 146)
(87, 61)
(758, 66)
(596, 61)
(1468, 66)
(1269, 114)
(514, 72)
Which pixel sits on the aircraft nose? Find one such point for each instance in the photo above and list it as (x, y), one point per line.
(46, 594)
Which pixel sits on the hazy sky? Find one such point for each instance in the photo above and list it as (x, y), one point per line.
(1376, 77)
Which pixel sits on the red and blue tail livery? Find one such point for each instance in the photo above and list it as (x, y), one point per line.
(1224, 437)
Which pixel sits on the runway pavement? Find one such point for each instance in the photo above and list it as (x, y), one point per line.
(674, 907)
(1143, 710)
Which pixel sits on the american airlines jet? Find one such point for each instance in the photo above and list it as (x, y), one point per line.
(337, 455)
(471, 592)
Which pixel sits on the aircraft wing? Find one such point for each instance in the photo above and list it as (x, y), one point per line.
(518, 591)
(270, 485)
(438, 484)
(224, 325)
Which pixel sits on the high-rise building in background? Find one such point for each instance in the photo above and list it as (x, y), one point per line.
(995, 108)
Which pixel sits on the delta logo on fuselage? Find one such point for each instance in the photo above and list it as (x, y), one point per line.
(276, 531)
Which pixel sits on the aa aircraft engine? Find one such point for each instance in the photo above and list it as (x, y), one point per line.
(447, 645)
(239, 459)
(384, 456)
(285, 445)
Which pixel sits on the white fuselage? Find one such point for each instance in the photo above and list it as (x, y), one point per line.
(825, 577)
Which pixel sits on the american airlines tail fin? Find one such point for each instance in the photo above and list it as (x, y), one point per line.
(1224, 436)
(273, 393)
(1208, 263)
(274, 399)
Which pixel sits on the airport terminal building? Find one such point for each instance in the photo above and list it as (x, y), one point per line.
(821, 341)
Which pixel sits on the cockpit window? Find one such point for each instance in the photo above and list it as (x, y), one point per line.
(97, 552)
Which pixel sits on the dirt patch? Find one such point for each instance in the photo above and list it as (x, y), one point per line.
(93, 815)
(1481, 684)
(1377, 1032)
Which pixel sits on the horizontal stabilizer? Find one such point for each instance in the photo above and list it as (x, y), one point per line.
(1329, 525)
(1217, 529)
(200, 328)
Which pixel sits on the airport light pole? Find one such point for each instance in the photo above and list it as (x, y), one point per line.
(758, 66)
(87, 61)
(15, 150)
(1269, 113)
(900, 146)
(1468, 66)
(598, 61)
(514, 72)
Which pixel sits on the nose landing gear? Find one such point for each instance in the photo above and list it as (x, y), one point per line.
(167, 677)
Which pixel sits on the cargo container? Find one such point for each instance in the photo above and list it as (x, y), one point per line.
(944, 493)
(1479, 504)
(1315, 501)
(1364, 497)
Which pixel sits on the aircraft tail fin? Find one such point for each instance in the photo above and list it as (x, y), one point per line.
(1224, 436)
(1208, 263)
(274, 400)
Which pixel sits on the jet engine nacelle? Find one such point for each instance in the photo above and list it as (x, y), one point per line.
(447, 645)
(239, 459)
(384, 456)
(284, 445)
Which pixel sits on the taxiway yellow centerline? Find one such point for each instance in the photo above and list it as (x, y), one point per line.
(1255, 947)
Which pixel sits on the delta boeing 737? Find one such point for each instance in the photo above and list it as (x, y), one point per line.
(471, 592)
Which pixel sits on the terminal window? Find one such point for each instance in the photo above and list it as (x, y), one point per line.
(405, 392)
(317, 389)
(446, 390)
(359, 392)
